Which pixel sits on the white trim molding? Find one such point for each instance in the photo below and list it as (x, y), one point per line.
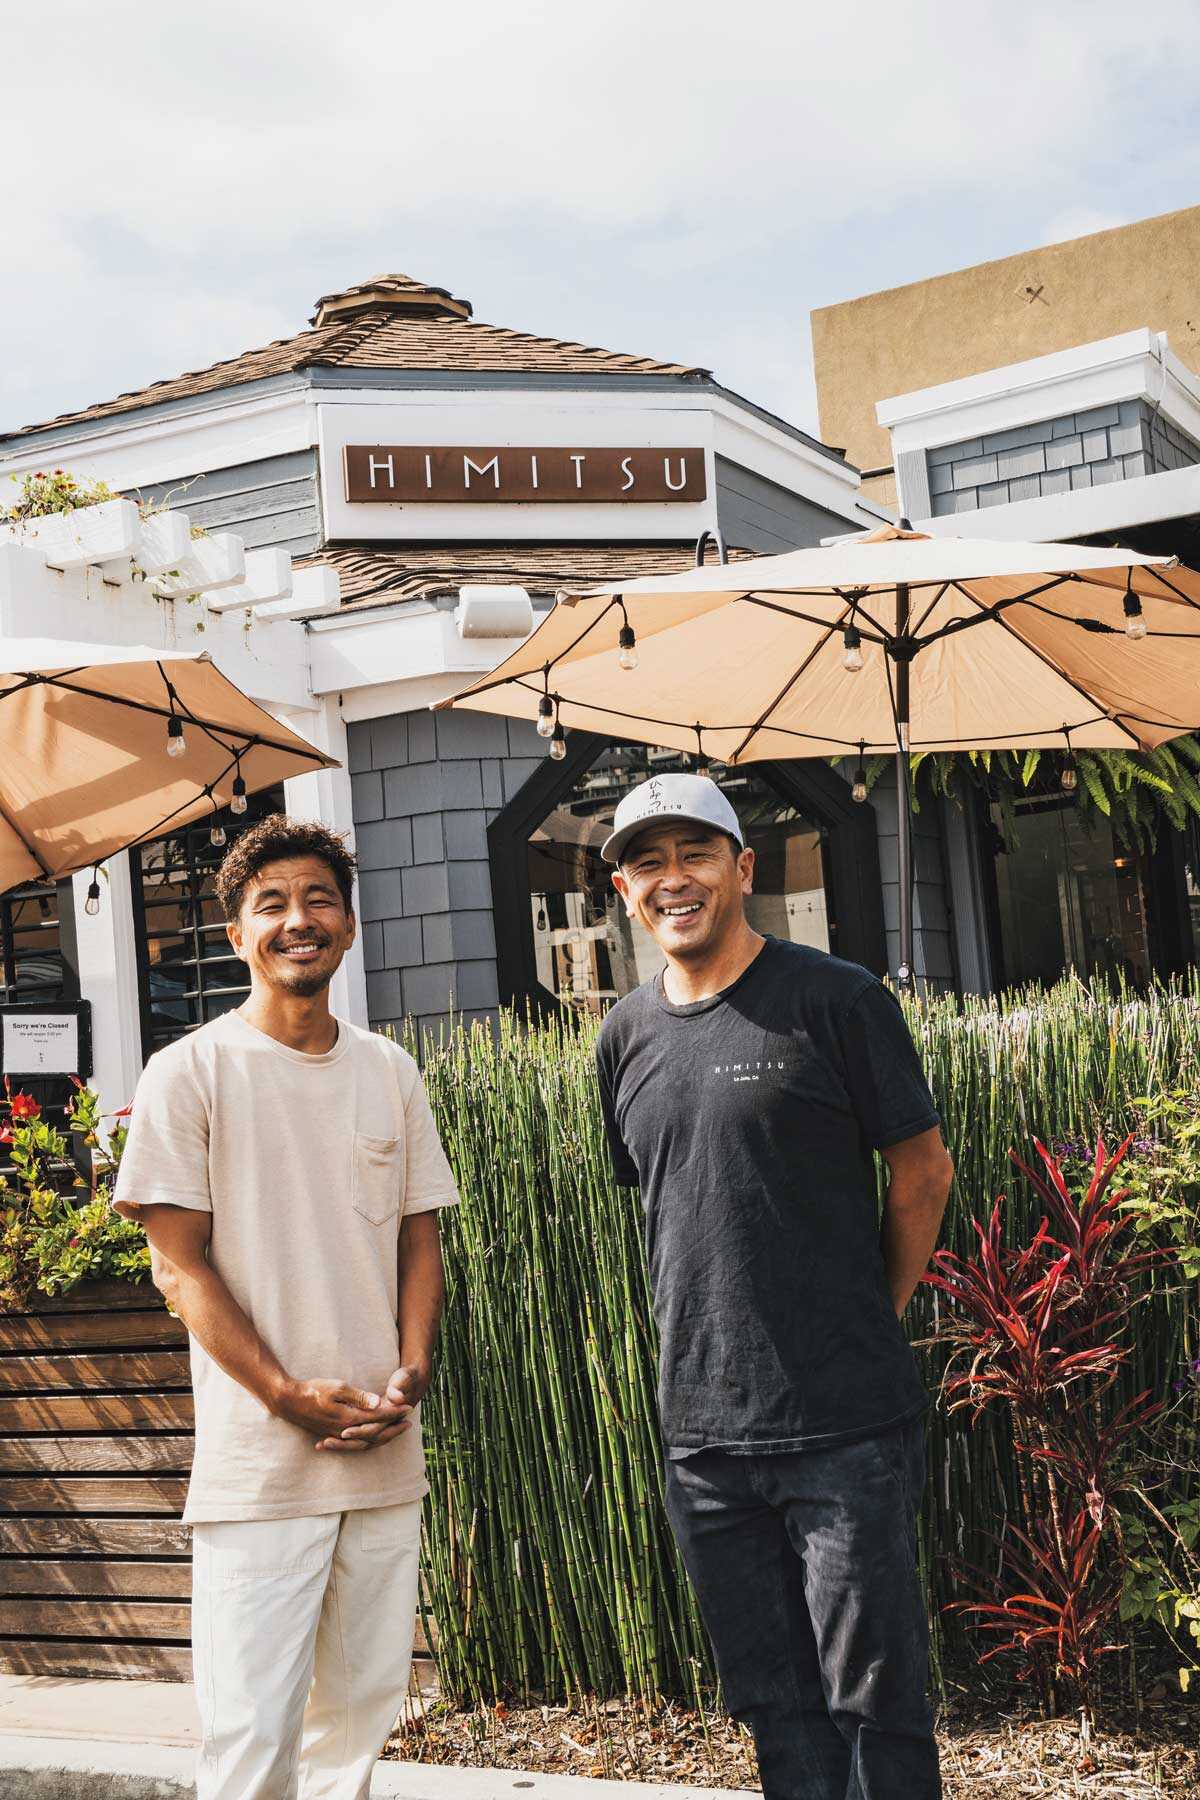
(1065, 518)
(1137, 365)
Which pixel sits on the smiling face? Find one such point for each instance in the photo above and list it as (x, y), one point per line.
(293, 928)
(685, 884)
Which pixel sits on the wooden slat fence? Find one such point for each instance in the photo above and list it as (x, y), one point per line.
(95, 1448)
(96, 1436)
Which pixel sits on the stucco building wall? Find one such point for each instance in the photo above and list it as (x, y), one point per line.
(996, 313)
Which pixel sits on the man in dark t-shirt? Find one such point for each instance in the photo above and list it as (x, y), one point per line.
(744, 1090)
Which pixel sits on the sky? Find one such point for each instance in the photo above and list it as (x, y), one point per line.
(681, 180)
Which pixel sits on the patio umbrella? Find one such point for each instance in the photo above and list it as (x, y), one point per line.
(102, 748)
(895, 642)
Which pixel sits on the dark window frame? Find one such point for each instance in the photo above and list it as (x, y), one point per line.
(208, 945)
(60, 894)
(850, 856)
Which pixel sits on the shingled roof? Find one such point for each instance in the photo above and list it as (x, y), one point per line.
(386, 576)
(388, 322)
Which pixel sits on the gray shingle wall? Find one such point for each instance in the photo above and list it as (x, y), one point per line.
(1107, 443)
(274, 501)
(425, 788)
(760, 515)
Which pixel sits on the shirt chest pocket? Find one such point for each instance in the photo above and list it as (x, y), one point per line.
(377, 1177)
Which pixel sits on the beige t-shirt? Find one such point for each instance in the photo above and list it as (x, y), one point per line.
(307, 1164)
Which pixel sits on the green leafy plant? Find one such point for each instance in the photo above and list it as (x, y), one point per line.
(1162, 1575)
(51, 1236)
(1136, 791)
(59, 491)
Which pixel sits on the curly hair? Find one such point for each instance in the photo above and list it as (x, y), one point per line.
(271, 840)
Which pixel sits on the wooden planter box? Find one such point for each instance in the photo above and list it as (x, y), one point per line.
(95, 1449)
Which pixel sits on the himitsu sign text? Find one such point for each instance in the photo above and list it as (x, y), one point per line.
(489, 475)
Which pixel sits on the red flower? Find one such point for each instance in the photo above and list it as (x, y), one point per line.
(6, 1136)
(75, 1241)
(24, 1106)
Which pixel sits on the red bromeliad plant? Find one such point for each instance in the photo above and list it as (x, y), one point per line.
(1040, 1329)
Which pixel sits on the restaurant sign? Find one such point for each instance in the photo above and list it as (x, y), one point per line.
(456, 473)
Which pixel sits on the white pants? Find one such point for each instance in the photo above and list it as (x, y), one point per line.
(302, 1633)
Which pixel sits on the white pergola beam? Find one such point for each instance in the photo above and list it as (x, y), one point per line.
(163, 541)
(216, 561)
(268, 578)
(316, 590)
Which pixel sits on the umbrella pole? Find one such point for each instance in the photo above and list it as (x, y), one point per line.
(904, 973)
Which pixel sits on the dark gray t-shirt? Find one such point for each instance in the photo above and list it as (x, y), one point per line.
(748, 1122)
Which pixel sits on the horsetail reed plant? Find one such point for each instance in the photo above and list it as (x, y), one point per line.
(549, 1566)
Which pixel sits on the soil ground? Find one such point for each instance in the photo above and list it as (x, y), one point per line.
(993, 1744)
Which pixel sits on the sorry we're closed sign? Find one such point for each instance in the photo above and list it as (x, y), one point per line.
(465, 473)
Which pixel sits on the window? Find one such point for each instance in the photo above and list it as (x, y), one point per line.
(187, 973)
(1069, 898)
(32, 961)
(1191, 877)
(586, 947)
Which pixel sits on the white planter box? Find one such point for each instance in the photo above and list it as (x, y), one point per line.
(93, 534)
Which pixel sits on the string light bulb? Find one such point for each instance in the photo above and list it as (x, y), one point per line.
(852, 657)
(176, 742)
(1135, 624)
(627, 654)
(858, 792)
(216, 836)
(1069, 779)
(558, 743)
(238, 803)
(545, 718)
(541, 918)
(91, 905)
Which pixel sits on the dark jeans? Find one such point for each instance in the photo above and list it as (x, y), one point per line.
(805, 1566)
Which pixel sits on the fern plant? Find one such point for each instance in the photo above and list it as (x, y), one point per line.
(1136, 791)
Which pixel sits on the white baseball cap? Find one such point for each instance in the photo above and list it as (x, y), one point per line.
(666, 798)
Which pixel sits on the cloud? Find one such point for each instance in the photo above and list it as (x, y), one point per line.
(659, 176)
(1076, 222)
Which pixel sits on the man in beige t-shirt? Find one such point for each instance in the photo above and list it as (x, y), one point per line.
(288, 1173)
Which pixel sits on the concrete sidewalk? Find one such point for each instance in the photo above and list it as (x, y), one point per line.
(63, 1739)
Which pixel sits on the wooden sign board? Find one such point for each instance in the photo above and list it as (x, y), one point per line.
(490, 476)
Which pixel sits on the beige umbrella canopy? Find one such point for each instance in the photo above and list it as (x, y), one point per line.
(84, 763)
(876, 643)
(1006, 644)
